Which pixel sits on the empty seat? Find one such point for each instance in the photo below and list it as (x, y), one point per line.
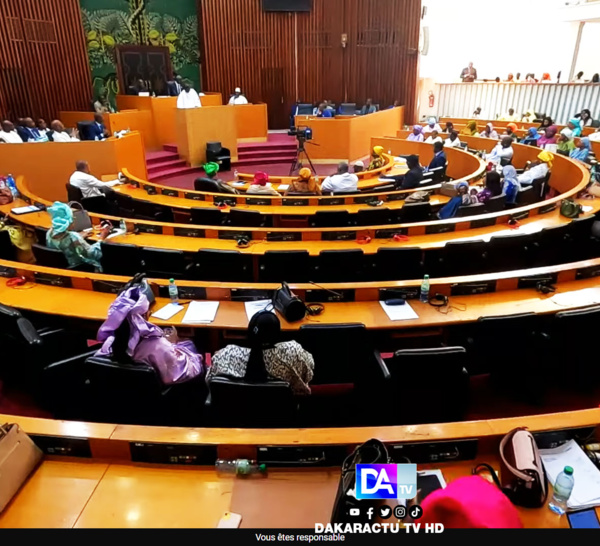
(163, 264)
(247, 218)
(340, 266)
(119, 259)
(125, 205)
(221, 265)
(553, 246)
(207, 217)
(217, 154)
(470, 210)
(395, 264)
(347, 109)
(459, 258)
(145, 210)
(496, 204)
(509, 252)
(525, 197)
(415, 212)
(582, 243)
(49, 257)
(284, 265)
(374, 217)
(330, 218)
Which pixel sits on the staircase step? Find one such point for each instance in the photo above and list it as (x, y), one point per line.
(155, 168)
(255, 147)
(171, 148)
(263, 161)
(173, 172)
(267, 155)
(158, 157)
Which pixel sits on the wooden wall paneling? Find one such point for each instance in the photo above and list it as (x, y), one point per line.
(43, 60)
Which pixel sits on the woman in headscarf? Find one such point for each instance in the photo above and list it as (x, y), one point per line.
(493, 187)
(566, 142)
(532, 137)
(511, 185)
(489, 132)
(470, 129)
(286, 361)
(546, 77)
(377, 159)
(432, 125)
(582, 151)
(548, 137)
(511, 129)
(417, 134)
(575, 126)
(529, 116)
(126, 334)
(218, 186)
(546, 122)
(536, 170)
(462, 198)
(305, 183)
(70, 243)
(260, 185)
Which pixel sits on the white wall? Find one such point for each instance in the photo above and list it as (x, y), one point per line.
(501, 37)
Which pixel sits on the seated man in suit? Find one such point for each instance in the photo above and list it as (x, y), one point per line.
(439, 157)
(211, 183)
(342, 181)
(368, 108)
(175, 85)
(28, 131)
(97, 129)
(323, 111)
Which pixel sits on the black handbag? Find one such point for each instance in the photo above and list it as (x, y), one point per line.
(140, 281)
(289, 306)
(371, 452)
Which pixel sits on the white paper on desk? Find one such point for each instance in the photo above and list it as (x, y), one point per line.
(201, 312)
(587, 208)
(399, 312)
(575, 298)
(586, 491)
(253, 307)
(238, 184)
(283, 187)
(168, 311)
(117, 233)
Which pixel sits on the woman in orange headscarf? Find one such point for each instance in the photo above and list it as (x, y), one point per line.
(510, 131)
(260, 185)
(305, 183)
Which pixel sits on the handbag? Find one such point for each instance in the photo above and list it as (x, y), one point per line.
(290, 306)
(19, 456)
(371, 452)
(81, 219)
(570, 209)
(143, 284)
(522, 476)
(418, 197)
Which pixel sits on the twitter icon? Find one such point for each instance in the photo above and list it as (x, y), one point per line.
(385, 512)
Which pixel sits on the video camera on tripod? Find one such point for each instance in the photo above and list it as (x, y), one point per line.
(301, 133)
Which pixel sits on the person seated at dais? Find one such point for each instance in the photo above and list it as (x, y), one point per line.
(8, 134)
(238, 97)
(305, 183)
(59, 134)
(377, 159)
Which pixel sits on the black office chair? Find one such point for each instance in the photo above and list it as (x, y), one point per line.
(125, 205)
(7, 250)
(347, 109)
(374, 217)
(85, 130)
(217, 154)
(525, 197)
(74, 193)
(385, 188)
(305, 109)
(339, 266)
(510, 252)
(439, 386)
(284, 265)
(121, 259)
(582, 244)
(247, 218)
(496, 204)
(462, 258)
(145, 210)
(269, 404)
(49, 257)
(163, 264)
(415, 212)
(330, 219)
(395, 264)
(470, 210)
(553, 246)
(207, 217)
(211, 186)
(221, 265)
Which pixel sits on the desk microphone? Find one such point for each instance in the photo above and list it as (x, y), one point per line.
(336, 294)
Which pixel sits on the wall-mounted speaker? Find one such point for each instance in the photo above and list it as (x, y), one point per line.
(424, 41)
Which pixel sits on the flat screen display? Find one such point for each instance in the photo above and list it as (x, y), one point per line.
(287, 5)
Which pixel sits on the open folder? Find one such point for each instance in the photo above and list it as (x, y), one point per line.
(201, 312)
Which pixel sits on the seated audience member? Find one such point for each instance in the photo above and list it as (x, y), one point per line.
(502, 153)
(518, 77)
(89, 185)
(305, 183)
(341, 181)
(358, 167)
(510, 116)
(9, 134)
(260, 185)
(211, 169)
(510, 79)
(433, 138)
(529, 116)
(511, 185)
(145, 343)
(478, 113)
(76, 250)
(329, 104)
(439, 157)
(452, 141)
(377, 159)
(323, 111)
(286, 361)
(473, 196)
(28, 131)
(449, 127)
(470, 129)
(530, 78)
(595, 78)
(566, 142)
(489, 132)
(412, 178)
(583, 150)
(536, 169)
(546, 78)
(137, 87)
(188, 98)
(102, 106)
(546, 122)
(548, 137)
(395, 105)
(510, 131)
(238, 97)
(492, 188)
(432, 125)
(470, 502)
(42, 127)
(462, 199)
(578, 78)
(532, 137)
(417, 134)
(58, 133)
(368, 108)
(575, 126)
(97, 129)
(585, 118)
(175, 85)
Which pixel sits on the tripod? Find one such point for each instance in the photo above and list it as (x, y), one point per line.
(297, 161)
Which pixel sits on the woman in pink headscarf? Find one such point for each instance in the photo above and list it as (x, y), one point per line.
(417, 134)
(261, 185)
(548, 136)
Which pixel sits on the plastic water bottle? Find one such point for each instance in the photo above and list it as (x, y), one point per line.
(10, 182)
(173, 292)
(241, 468)
(123, 226)
(235, 174)
(425, 289)
(562, 491)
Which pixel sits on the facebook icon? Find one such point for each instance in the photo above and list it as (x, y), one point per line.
(386, 481)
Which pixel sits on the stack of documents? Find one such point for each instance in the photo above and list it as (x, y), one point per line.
(199, 312)
(253, 307)
(586, 492)
(399, 312)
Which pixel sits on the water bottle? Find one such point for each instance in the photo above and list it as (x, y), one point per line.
(123, 226)
(425, 289)
(240, 467)
(562, 491)
(173, 292)
(10, 182)
(235, 174)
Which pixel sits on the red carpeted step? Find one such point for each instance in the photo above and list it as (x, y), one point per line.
(166, 165)
(152, 158)
(170, 148)
(266, 148)
(245, 154)
(167, 173)
(264, 161)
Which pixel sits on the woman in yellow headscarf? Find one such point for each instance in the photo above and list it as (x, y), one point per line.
(538, 169)
(377, 160)
(470, 129)
(305, 183)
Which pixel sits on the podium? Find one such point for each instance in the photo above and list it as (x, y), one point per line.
(198, 126)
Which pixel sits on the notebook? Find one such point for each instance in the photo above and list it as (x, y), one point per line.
(201, 312)
(399, 312)
(168, 311)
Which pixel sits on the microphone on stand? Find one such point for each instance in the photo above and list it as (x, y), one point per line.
(339, 297)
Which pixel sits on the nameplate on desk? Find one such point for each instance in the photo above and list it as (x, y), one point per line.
(146, 228)
(170, 193)
(366, 199)
(148, 187)
(185, 292)
(65, 447)
(520, 215)
(440, 228)
(53, 280)
(389, 233)
(195, 196)
(182, 454)
(485, 222)
(308, 456)
(331, 202)
(292, 202)
(259, 202)
(320, 296)
(251, 295)
(134, 183)
(470, 289)
(107, 287)
(547, 208)
(227, 201)
(228, 235)
(8, 272)
(284, 236)
(587, 273)
(189, 232)
(556, 438)
(338, 235)
(434, 452)
(409, 293)
(533, 281)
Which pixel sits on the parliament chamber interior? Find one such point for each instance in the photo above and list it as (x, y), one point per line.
(247, 246)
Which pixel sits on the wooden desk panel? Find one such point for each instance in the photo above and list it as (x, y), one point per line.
(252, 122)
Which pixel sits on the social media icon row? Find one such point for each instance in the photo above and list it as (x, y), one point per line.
(385, 512)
